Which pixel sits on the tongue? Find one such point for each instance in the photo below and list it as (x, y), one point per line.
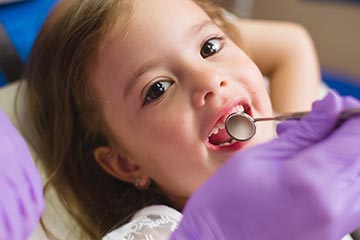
(220, 137)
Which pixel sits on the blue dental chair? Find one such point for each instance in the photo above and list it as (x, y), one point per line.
(20, 21)
(344, 84)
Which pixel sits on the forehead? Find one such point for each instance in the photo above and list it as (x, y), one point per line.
(156, 18)
(155, 27)
(162, 12)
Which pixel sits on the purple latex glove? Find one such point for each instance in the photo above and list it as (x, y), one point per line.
(21, 196)
(304, 185)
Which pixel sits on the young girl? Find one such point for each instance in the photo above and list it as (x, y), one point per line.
(128, 100)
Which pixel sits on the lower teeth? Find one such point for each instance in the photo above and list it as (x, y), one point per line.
(227, 143)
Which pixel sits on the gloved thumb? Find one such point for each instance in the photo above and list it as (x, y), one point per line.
(318, 124)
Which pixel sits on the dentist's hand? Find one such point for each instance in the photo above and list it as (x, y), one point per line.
(21, 197)
(304, 185)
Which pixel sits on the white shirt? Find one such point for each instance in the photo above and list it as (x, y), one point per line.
(156, 222)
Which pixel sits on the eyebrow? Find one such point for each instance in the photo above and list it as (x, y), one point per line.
(198, 28)
(147, 66)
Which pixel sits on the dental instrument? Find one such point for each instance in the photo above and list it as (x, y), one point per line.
(241, 126)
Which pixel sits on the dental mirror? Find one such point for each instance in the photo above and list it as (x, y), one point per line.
(241, 126)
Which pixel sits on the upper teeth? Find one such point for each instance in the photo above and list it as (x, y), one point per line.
(239, 108)
(220, 125)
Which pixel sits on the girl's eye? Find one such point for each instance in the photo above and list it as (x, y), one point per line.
(211, 47)
(156, 91)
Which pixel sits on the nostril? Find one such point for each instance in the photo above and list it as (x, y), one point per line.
(207, 95)
(223, 84)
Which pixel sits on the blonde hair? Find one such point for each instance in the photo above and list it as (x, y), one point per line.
(67, 118)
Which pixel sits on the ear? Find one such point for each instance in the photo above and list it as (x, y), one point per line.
(116, 165)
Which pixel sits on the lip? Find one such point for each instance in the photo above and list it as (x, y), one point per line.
(221, 115)
(233, 147)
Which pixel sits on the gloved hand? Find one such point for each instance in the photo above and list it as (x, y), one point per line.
(21, 196)
(303, 185)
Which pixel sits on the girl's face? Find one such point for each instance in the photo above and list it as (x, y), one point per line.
(167, 87)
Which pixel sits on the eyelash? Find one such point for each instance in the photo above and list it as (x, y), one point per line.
(151, 97)
(212, 51)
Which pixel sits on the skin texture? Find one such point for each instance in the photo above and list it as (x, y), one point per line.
(166, 139)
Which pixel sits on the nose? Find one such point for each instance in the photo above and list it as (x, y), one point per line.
(206, 85)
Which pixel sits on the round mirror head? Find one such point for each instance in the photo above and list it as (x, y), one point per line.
(240, 126)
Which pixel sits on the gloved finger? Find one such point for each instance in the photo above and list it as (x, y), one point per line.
(281, 128)
(11, 211)
(32, 201)
(350, 102)
(319, 123)
(352, 206)
(14, 146)
(23, 197)
(334, 160)
(23, 200)
(17, 159)
(30, 184)
(343, 171)
(345, 141)
(285, 126)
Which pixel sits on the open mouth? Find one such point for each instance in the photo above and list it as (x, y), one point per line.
(218, 135)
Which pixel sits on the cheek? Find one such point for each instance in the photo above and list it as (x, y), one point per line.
(167, 128)
(260, 98)
(171, 155)
(163, 137)
(258, 90)
(242, 68)
(251, 79)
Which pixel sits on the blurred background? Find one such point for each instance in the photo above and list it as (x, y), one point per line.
(333, 25)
